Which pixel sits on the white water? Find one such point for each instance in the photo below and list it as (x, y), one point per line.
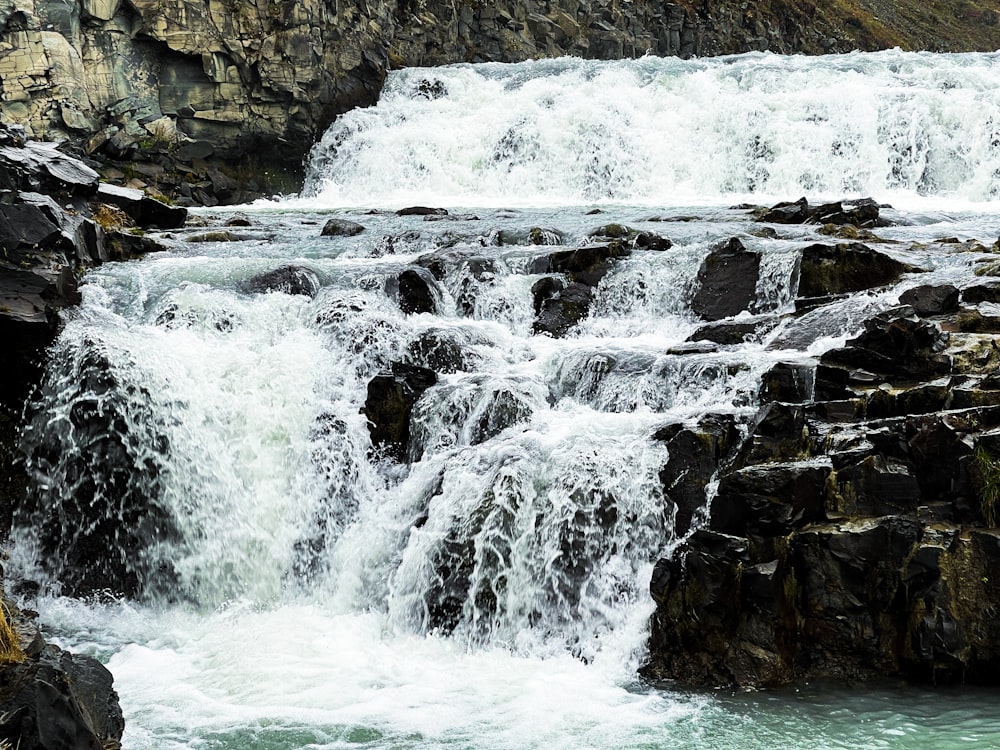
(493, 593)
(657, 131)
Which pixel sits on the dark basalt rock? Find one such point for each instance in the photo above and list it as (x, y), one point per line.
(54, 700)
(286, 279)
(442, 351)
(981, 293)
(849, 267)
(341, 228)
(931, 300)
(770, 499)
(584, 265)
(390, 401)
(41, 167)
(100, 503)
(734, 332)
(695, 454)
(143, 210)
(559, 306)
(727, 281)
(791, 382)
(863, 213)
(415, 291)
(421, 211)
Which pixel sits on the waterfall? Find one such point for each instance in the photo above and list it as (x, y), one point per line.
(659, 131)
(258, 572)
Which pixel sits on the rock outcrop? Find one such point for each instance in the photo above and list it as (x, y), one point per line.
(854, 532)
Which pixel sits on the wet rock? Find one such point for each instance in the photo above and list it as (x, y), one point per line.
(442, 351)
(876, 486)
(143, 210)
(415, 291)
(53, 699)
(216, 235)
(652, 241)
(389, 404)
(862, 213)
(727, 281)
(341, 228)
(285, 279)
(421, 211)
(695, 454)
(931, 300)
(981, 293)
(770, 499)
(849, 267)
(559, 306)
(734, 332)
(102, 498)
(584, 265)
(790, 382)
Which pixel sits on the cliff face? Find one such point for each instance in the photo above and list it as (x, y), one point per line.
(187, 85)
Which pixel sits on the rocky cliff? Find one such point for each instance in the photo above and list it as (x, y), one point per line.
(216, 100)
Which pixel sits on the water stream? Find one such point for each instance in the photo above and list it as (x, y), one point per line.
(293, 589)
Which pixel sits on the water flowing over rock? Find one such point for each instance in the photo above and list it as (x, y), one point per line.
(727, 281)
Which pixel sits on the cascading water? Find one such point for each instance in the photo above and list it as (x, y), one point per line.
(202, 446)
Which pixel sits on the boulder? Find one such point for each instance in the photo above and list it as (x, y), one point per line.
(341, 228)
(847, 267)
(584, 265)
(415, 291)
(143, 210)
(41, 167)
(771, 499)
(559, 306)
(931, 300)
(390, 401)
(52, 699)
(285, 279)
(727, 281)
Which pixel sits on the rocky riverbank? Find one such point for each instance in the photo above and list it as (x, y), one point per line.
(207, 101)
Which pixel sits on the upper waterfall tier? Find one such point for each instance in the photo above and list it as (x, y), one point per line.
(899, 126)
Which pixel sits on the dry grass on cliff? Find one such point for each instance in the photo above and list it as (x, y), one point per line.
(935, 25)
(10, 644)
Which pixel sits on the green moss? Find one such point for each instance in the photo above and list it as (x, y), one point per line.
(989, 493)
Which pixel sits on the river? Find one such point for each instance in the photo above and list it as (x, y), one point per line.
(297, 590)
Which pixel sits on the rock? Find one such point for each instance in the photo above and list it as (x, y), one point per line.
(40, 167)
(652, 241)
(584, 265)
(931, 300)
(341, 228)
(442, 351)
(54, 699)
(734, 332)
(144, 211)
(790, 382)
(981, 293)
(390, 401)
(771, 499)
(559, 306)
(849, 267)
(695, 454)
(285, 279)
(421, 211)
(415, 291)
(102, 500)
(727, 281)
(863, 213)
